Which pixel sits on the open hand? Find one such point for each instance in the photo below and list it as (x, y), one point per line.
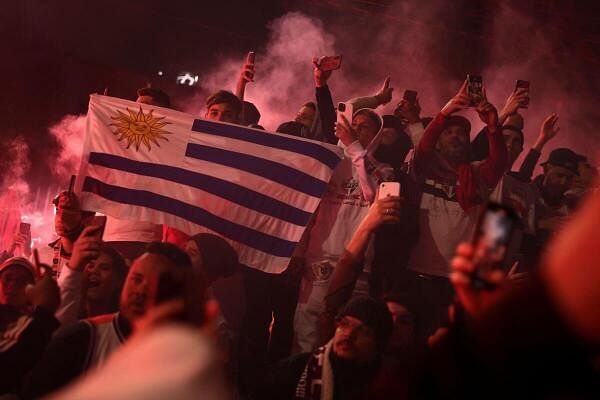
(549, 128)
(384, 95)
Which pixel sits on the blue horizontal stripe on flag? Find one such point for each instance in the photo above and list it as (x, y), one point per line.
(309, 149)
(241, 234)
(227, 190)
(268, 169)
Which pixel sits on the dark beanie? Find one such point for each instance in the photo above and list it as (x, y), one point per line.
(374, 314)
(219, 259)
(391, 121)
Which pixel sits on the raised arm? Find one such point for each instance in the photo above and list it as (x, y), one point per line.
(410, 113)
(517, 99)
(350, 265)
(492, 169)
(548, 131)
(324, 103)
(383, 96)
(70, 281)
(426, 147)
(246, 75)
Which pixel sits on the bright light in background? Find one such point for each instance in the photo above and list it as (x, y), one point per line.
(160, 73)
(187, 78)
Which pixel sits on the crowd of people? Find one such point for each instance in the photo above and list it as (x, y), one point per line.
(380, 298)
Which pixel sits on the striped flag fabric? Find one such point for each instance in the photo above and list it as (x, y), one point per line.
(258, 190)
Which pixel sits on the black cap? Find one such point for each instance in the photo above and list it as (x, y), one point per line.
(566, 158)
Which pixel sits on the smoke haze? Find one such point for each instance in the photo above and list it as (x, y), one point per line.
(428, 46)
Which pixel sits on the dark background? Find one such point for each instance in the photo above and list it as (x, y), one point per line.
(54, 53)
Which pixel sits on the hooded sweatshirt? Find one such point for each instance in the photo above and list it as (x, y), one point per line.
(348, 197)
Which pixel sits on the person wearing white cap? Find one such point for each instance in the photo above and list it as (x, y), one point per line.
(26, 319)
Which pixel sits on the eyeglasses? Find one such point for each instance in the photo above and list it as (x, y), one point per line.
(359, 328)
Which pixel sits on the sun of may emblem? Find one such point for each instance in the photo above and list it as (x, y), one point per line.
(139, 128)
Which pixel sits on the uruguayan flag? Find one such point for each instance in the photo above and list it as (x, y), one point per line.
(256, 189)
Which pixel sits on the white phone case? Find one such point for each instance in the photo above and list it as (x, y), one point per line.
(387, 189)
(347, 113)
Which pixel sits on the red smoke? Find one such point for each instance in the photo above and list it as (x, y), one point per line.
(69, 132)
(420, 46)
(426, 46)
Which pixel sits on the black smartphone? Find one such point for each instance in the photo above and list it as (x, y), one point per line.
(410, 96)
(520, 84)
(475, 88)
(24, 228)
(99, 221)
(490, 241)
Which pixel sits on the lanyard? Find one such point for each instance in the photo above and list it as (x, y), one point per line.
(56, 259)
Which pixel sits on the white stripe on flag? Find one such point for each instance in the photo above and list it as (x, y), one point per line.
(257, 183)
(195, 197)
(262, 217)
(289, 158)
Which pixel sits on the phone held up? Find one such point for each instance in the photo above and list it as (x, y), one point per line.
(100, 222)
(410, 96)
(475, 88)
(330, 63)
(346, 110)
(491, 240)
(520, 84)
(24, 228)
(389, 189)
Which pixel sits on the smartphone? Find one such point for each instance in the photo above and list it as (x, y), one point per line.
(410, 96)
(100, 221)
(491, 239)
(475, 88)
(344, 109)
(330, 63)
(24, 228)
(389, 189)
(523, 85)
(250, 57)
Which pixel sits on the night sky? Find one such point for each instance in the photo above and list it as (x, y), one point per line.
(55, 53)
